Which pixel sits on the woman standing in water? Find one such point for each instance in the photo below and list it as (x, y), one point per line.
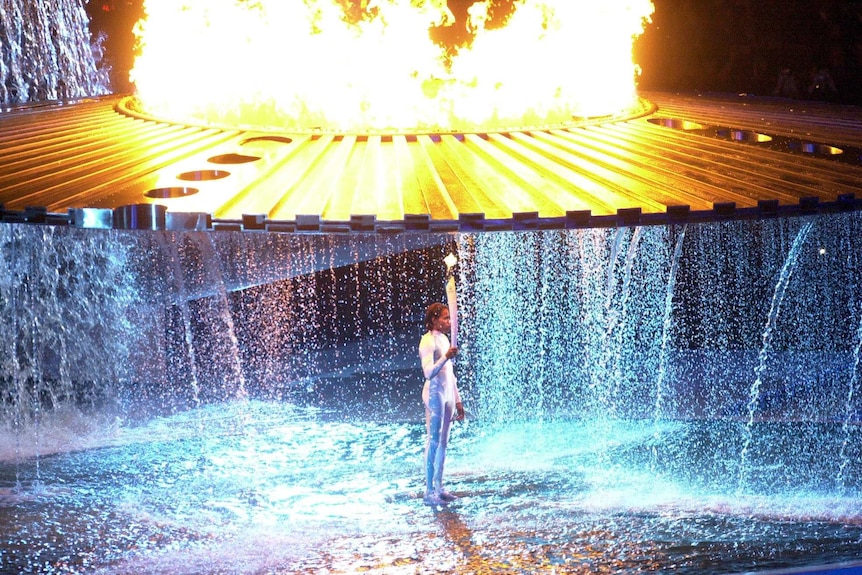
(441, 397)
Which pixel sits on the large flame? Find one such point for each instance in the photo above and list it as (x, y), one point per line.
(372, 65)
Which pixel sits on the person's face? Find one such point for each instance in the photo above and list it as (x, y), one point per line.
(441, 322)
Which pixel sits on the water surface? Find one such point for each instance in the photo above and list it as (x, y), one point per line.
(255, 487)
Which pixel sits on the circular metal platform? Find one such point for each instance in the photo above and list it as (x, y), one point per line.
(682, 158)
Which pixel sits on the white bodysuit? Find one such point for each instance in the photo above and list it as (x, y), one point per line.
(440, 395)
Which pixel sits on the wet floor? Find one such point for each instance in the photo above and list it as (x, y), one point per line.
(261, 488)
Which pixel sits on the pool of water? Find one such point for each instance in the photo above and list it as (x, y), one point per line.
(264, 487)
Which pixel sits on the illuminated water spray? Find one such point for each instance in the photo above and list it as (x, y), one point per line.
(667, 325)
(67, 300)
(763, 356)
(48, 53)
(606, 374)
(649, 324)
(852, 412)
(576, 308)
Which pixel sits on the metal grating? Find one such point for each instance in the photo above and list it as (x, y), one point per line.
(686, 158)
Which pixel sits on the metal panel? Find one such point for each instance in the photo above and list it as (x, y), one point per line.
(687, 159)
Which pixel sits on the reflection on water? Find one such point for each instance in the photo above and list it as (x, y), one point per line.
(252, 487)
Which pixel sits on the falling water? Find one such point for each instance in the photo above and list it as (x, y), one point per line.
(658, 411)
(774, 309)
(616, 310)
(48, 53)
(229, 349)
(679, 348)
(574, 308)
(66, 299)
(179, 288)
(849, 427)
(606, 374)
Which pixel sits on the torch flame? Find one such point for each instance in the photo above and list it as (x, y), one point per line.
(450, 260)
(304, 64)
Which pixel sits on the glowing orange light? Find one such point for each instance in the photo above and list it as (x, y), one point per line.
(302, 64)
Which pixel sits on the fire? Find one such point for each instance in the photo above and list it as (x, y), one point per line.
(372, 65)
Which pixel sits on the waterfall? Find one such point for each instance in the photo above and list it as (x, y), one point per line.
(555, 329)
(665, 326)
(48, 53)
(616, 312)
(851, 412)
(607, 376)
(66, 298)
(774, 309)
(180, 295)
(652, 326)
(659, 409)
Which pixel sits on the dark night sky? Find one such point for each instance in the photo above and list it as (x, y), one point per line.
(742, 45)
(709, 45)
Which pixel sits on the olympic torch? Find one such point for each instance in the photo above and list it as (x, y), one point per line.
(451, 299)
